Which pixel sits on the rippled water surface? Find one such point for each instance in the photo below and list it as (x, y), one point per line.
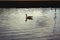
(14, 27)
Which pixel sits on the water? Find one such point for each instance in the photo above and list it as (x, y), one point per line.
(14, 27)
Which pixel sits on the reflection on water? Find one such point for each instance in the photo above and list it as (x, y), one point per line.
(14, 27)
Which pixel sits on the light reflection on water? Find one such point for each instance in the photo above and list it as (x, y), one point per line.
(14, 27)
